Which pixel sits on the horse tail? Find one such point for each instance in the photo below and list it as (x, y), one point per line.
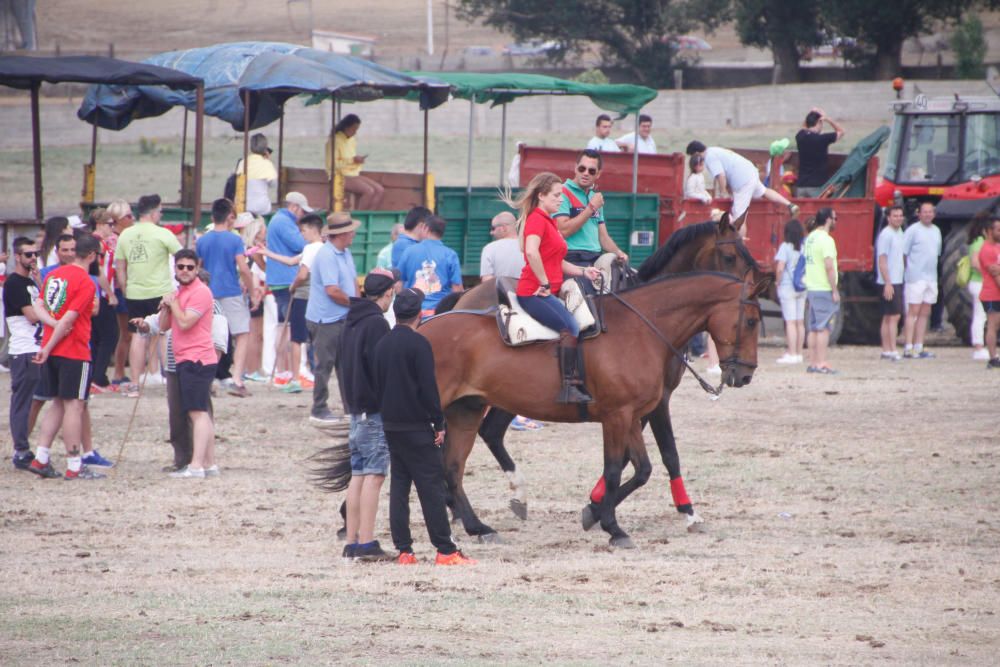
(332, 471)
(448, 302)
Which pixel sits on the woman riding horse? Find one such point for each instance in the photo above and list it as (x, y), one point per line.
(542, 276)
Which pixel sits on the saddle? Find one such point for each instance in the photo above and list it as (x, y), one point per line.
(518, 328)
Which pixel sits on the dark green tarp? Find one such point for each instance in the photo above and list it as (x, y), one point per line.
(853, 170)
(502, 88)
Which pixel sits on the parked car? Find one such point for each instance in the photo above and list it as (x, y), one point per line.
(531, 48)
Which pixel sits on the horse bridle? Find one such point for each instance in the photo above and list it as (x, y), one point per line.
(732, 359)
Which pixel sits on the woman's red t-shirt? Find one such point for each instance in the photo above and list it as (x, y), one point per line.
(552, 249)
(989, 255)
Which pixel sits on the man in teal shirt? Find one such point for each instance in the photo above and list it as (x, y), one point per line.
(581, 215)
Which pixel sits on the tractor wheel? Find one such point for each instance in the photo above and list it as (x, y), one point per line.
(957, 300)
(861, 319)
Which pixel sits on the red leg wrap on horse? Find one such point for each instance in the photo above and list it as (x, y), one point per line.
(597, 495)
(678, 491)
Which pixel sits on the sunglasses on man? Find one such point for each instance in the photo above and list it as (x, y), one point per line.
(590, 170)
(29, 254)
(185, 267)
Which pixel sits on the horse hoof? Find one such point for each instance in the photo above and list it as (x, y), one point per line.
(622, 542)
(489, 538)
(342, 533)
(695, 524)
(519, 508)
(587, 518)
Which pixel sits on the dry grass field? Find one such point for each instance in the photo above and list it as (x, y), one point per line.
(850, 520)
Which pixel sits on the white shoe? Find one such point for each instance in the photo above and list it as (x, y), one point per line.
(714, 370)
(982, 354)
(188, 472)
(789, 359)
(153, 379)
(212, 471)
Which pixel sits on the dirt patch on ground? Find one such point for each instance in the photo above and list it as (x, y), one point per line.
(850, 520)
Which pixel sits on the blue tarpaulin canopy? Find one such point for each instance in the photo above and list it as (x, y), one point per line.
(269, 72)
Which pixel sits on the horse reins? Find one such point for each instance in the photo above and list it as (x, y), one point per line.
(714, 391)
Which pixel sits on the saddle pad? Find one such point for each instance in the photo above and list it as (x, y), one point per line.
(522, 329)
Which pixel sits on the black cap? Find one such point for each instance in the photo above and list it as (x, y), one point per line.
(377, 284)
(408, 303)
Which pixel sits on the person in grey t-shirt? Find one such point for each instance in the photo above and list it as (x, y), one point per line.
(889, 268)
(503, 257)
(922, 247)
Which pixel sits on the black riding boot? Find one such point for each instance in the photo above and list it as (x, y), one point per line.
(573, 390)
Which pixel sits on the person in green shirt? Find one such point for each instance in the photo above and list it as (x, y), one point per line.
(821, 288)
(580, 216)
(142, 264)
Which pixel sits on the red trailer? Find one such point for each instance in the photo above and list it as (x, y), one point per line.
(858, 218)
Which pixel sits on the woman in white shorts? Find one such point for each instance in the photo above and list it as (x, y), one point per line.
(793, 303)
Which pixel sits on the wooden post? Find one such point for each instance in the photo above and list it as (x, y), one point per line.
(246, 152)
(333, 151)
(427, 192)
(36, 150)
(199, 148)
(281, 152)
(184, 142)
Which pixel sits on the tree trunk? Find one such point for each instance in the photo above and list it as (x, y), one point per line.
(889, 60)
(786, 57)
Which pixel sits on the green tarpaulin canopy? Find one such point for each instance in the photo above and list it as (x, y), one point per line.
(505, 87)
(849, 180)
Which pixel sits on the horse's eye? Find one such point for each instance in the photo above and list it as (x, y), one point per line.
(751, 322)
(728, 259)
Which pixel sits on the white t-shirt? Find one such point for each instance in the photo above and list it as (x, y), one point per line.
(922, 247)
(502, 259)
(605, 145)
(890, 244)
(739, 171)
(308, 256)
(694, 188)
(646, 146)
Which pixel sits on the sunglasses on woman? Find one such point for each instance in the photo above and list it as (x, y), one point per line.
(590, 170)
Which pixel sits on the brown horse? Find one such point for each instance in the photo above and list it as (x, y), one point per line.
(625, 370)
(705, 246)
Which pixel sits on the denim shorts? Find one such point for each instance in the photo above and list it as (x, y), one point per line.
(369, 449)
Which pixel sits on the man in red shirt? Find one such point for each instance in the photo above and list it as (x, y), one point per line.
(188, 312)
(70, 299)
(989, 260)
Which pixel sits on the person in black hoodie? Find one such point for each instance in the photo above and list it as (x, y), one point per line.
(364, 327)
(414, 427)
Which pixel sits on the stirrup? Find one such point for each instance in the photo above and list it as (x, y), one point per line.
(572, 393)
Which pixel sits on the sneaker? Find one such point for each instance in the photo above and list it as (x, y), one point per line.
(281, 379)
(788, 359)
(212, 471)
(152, 379)
(95, 459)
(238, 390)
(371, 553)
(306, 382)
(907, 354)
(326, 418)
(456, 558)
(793, 210)
(714, 370)
(256, 376)
(349, 551)
(926, 354)
(84, 473)
(292, 387)
(890, 356)
(982, 354)
(4, 369)
(46, 471)
(23, 461)
(171, 468)
(129, 389)
(407, 558)
(187, 472)
(98, 389)
(993, 363)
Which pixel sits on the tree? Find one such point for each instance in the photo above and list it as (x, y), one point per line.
(787, 28)
(635, 34)
(969, 46)
(886, 24)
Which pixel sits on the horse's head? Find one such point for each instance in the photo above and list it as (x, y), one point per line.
(704, 246)
(736, 330)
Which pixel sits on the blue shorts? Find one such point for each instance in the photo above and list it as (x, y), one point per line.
(369, 448)
(282, 297)
(822, 310)
(297, 321)
(991, 306)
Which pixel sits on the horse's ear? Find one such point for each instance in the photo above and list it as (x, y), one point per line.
(740, 220)
(724, 223)
(761, 283)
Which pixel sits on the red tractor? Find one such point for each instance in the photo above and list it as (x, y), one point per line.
(946, 151)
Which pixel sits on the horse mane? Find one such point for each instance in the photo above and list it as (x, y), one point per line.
(676, 276)
(658, 261)
(448, 302)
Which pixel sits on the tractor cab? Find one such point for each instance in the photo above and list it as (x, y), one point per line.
(940, 143)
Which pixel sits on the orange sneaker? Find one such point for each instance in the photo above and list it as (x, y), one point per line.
(280, 380)
(456, 558)
(306, 382)
(406, 558)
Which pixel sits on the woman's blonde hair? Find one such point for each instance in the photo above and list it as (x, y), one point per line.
(527, 201)
(118, 209)
(249, 233)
